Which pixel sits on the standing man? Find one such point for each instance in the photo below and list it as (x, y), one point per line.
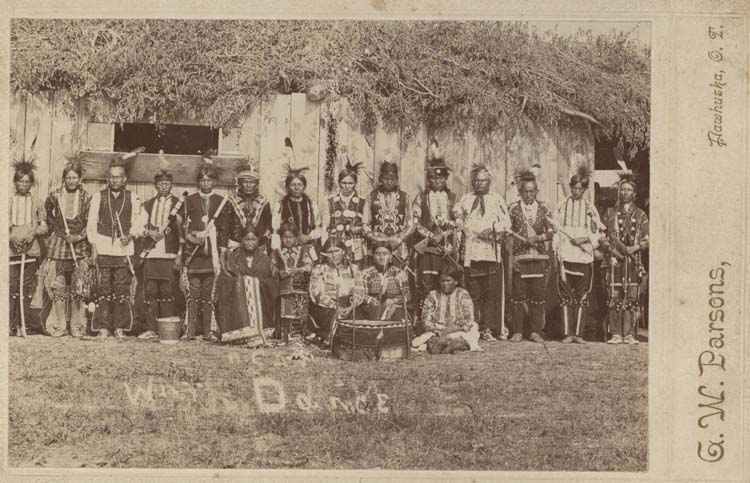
(531, 228)
(250, 207)
(205, 222)
(577, 225)
(115, 219)
(389, 214)
(27, 223)
(483, 217)
(434, 223)
(627, 230)
(68, 249)
(161, 253)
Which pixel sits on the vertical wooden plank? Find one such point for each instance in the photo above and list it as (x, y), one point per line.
(492, 155)
(62, 142)
(38, 133)
(100, 136)
(229, 141)
(250, 135)
(387, 147)
(275, 125)
(361, 150)
(305, 136)
(413, 157)
(455, 151)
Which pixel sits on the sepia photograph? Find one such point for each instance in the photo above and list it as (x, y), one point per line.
(329, 244)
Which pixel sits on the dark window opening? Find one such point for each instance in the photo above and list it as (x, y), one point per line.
(171, 138)
(606, 154)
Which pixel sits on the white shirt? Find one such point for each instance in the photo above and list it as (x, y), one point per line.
(579, 219)
(474, 223)
(104, 244)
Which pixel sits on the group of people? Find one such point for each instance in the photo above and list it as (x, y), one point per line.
(231, 265)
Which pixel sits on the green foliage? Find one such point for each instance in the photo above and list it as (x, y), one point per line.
(455, 75)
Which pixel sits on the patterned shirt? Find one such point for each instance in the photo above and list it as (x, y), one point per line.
(328, 282)
(75, 209)
(527, 220)
(444, 314)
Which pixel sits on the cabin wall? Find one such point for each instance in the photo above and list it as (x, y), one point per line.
(260, 137)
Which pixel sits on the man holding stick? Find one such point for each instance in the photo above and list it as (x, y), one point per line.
(115, 218)
(27, 222)
(204, 219)
(483, 217)
(68, 253)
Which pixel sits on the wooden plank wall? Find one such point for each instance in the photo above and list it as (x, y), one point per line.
(260, 137)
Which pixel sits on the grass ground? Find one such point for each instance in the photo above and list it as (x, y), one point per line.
(143, 404)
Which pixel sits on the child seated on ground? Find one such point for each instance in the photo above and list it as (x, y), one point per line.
(448, 318)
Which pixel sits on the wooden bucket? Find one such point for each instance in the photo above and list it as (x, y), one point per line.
(169, 329)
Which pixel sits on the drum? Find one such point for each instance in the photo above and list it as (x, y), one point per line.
(356, 340)
(169, 329)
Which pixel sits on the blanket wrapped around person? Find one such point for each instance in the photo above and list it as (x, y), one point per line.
(246, 291)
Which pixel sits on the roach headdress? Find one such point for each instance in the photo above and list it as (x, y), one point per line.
(626, 178)
(23, 165)
(582, 174)
(477, 168)
(524, 174)
(435, 160)
(163, 173)
(207, 168)
(124, 160)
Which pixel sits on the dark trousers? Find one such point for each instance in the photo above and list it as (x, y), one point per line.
(113, 308)
(200, 304)
(574, 296)
(529, 289)
(322, 318)
(29, 272)
(484, 281)
(159, 299)
(623, 283)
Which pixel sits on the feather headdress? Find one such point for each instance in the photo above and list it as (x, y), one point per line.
(626, 177)
(207, 167)
(581, 174)
(163, 173)
(24, 165)
(350, 167)
(74, 162)
(123, 160)
(435, 160)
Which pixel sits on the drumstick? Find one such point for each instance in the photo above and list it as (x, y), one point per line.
(122, 233)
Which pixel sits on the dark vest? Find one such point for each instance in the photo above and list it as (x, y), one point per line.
(107, 225)
(337, 207)
(299, 213)
(172, 237)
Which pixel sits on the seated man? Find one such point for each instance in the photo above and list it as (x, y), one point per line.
(448, 318)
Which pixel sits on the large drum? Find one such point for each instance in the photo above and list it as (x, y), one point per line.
(356, 340)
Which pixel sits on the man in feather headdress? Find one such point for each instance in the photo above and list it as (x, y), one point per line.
(578, 227)
(390, 220)
(434, 224)
(115, 218)
(161, 252)
(68, 252)
(205, 219)
(27, 223)
(250, 208)
(483, 217)
(627, 238)
(531, 224)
